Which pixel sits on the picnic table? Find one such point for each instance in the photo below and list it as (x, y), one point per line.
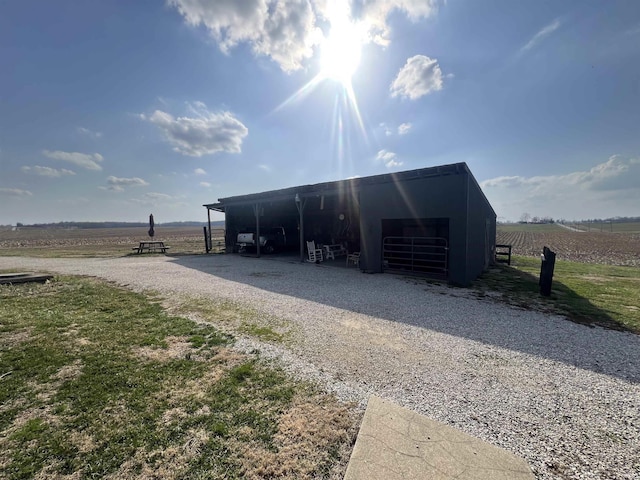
(151, 247)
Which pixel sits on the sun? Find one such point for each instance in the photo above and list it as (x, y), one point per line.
(339, 58)
(340, 54)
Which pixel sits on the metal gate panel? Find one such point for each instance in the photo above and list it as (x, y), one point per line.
(423, 255)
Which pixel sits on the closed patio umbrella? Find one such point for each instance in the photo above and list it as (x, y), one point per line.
(151, 232)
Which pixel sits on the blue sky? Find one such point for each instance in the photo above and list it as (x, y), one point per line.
(111, 110)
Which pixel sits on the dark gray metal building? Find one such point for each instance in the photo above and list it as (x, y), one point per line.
(433, 221)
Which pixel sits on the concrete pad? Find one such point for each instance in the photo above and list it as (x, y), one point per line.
(396, 443)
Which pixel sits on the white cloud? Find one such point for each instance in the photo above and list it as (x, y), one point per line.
(89, 133)
(84, 160)
(118, 184)
(157, 196)
(288, 30)
(374, 14)
(264, 167)
(388, 158)
(385, 155)
(283, 30)
(127, 182)
(47, 171)
(393, 163)
(404, 128)
(420, 76)
(230, 22)
(205, 184)
(14, 192)
(199, 171)
(204, 134)
(387, 131)
(154, 199)
(606, 190)
(541, 35)
(290, 34)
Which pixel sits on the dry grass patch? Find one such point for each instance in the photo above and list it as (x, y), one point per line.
(66, 373)
(176, 391)
(14, 338)
(177, 348)
(83, 441)
(233, 317)
(50, 473)
(309, 435)
(167, 464)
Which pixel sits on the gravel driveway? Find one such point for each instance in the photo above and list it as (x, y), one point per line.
(564, 396)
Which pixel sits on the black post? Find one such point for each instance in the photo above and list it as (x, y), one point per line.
(207, 245)
(300, 203)
(256, 211)
(546, 271)
(209, 222)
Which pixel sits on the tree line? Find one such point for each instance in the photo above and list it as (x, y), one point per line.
(88, 225)
(526, 218)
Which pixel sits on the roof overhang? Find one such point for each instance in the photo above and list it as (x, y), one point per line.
(338, 187)
(218, 207)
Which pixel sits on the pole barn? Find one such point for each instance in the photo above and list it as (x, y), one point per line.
(432, 221)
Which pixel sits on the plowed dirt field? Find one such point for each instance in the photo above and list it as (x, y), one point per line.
(587, 247)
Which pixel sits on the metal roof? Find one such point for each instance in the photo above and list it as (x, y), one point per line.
(351, 184)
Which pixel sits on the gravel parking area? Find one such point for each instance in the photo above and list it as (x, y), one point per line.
(564, 396)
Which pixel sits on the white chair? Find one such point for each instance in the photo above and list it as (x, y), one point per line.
(333, 251)
(315, 254)
(353, 258)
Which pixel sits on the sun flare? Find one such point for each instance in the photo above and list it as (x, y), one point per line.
(341, 50)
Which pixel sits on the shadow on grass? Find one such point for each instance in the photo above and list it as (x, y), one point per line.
(475, 313)
(521, 289)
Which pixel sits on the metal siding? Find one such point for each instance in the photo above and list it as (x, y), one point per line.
(479, 212)
(435, 197)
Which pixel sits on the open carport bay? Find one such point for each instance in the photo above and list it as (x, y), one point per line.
(327, 219)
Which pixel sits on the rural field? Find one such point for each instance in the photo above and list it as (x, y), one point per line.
(622, 247)
(99, 242)
(593, 246)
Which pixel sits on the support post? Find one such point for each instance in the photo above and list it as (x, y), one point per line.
(546, 271)
(256, 212)
(300, 203)
(209, 244)
(207, 247)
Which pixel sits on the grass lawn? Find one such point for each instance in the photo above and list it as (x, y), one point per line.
(100, 382)
(587, 293)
